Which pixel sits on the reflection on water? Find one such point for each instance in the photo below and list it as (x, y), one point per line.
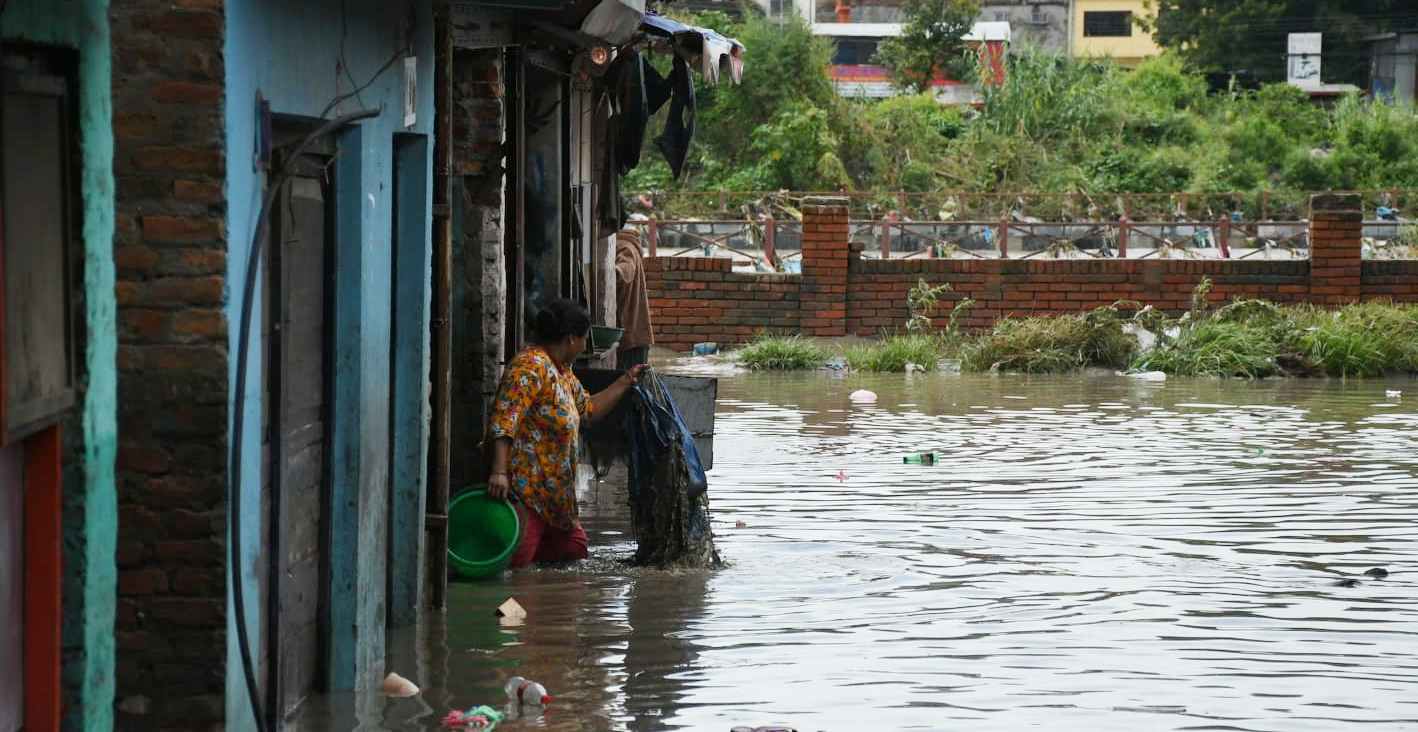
(1092, 552)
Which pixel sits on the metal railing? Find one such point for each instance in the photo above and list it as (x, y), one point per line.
(770, 244)
(1265, 206)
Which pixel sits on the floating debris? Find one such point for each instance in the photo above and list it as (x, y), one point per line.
(397, 686)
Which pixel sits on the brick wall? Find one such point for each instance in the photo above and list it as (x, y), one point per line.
(170, 254)
(695, 300)
(479, 292)
(825, 266)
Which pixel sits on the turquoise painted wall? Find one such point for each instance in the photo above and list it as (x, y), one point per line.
(90, 502)
(289, 53)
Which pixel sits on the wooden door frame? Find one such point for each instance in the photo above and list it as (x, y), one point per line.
(40, 436)
(44, 579)
(274, 372)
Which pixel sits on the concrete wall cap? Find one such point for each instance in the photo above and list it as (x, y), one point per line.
(1336, 203)
(825, 201)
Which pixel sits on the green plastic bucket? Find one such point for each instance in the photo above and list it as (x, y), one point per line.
(482, 533)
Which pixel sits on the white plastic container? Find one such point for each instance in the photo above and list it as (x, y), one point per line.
(526, 692)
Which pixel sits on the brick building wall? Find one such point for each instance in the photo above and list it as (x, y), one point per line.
(479, 267)
(170, 254)
(694, 300)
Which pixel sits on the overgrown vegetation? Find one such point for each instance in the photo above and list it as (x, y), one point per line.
(1055, 125)
(1052, 345)
(1248, 339)
(894, 352)
(922, 344)
(770, 352)
(1255, 339)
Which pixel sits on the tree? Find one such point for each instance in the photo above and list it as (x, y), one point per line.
(1251, 35)
(930, 43)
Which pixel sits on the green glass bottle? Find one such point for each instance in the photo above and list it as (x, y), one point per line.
(924, 458)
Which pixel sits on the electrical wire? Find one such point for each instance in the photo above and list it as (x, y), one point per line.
(337, 100)
(253, 262)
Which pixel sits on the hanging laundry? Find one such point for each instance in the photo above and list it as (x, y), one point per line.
(679, 128)
(632, 110)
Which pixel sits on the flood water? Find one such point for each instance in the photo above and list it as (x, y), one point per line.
(1091, 553)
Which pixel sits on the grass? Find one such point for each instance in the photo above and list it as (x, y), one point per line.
(1218, 348)
(1255, 339)
(1365, 339)
(894, 352)
(782, 353)
(1249, 339)
(1043, 345)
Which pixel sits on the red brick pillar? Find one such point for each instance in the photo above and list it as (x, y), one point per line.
(825, 254)
(1336, 258)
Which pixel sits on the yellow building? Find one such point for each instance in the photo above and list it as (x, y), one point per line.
(1109, 28)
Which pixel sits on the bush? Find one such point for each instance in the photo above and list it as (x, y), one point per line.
(782, 353)
(894, 352)
(1255, 339)
(1052, 344)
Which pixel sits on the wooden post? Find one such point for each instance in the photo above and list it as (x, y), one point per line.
(886, 222)
(652, 236)
(1123, 227)
(1223, 234)
(768, 234)
(43, 580)
(436, 514)
(1003, 238)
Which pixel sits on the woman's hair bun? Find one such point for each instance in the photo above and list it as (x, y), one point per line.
(560, 317)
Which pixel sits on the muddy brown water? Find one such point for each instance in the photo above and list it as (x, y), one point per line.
(1090, 553)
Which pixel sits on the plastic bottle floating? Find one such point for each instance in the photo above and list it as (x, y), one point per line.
(925, 458)
(526, 692)
(478, 719)
(863, 396)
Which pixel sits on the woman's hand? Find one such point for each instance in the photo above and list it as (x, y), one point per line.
(499, 484)
(635, 372)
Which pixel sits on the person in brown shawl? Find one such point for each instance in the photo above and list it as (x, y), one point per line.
(632, 302)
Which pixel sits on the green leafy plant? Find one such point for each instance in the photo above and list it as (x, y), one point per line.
(921, 301)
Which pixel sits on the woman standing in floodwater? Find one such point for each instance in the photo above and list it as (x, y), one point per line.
(535, 429)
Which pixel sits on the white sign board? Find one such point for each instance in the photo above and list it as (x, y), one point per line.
(1303, 61)
(411, 90)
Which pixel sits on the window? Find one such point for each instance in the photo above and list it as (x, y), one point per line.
(852, 52)
(1002, 16)
(36, 230)
(1107, 24)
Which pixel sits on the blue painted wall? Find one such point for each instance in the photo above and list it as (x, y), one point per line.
(289, 51)
(90, 503)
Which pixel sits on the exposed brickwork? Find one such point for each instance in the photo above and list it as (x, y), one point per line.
(694, 300)
(478, 264)
(825, 257)
(170, 255)
(1336, 225)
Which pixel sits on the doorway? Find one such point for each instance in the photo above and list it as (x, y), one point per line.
(296, 445)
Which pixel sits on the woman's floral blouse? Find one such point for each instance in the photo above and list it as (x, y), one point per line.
(540, 407)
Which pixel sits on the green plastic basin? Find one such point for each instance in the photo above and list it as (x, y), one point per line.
(605, 336)
(482, 534)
